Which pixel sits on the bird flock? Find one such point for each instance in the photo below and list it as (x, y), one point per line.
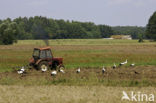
(114, 66)
(54, 72)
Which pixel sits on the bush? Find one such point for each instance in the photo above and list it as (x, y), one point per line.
(140, 40)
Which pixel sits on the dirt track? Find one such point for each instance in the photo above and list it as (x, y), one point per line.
(140, 72)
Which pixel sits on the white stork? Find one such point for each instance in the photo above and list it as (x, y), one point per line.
(103, 70)
(78, 70)
(53, 73)
(114, 66)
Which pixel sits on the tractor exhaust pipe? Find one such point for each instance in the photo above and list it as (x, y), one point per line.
(46, 41)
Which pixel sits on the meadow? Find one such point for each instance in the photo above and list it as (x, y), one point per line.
(81, 52)
(89, 86)
(87, 54)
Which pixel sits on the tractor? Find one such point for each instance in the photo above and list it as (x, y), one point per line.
(43, 58)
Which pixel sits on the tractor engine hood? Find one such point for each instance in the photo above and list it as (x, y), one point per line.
(58, 59)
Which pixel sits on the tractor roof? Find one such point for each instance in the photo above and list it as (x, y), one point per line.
(43, 48)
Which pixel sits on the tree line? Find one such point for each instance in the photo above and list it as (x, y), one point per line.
(39, 27)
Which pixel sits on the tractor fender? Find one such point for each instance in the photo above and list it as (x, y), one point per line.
(38, 61)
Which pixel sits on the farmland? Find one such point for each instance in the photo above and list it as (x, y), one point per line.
(66, 94)
(88, 54)
(82, 52)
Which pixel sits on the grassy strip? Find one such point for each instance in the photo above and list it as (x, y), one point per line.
(80, 42)
(79, 82)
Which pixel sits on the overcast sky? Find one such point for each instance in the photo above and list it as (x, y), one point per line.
(110, 12)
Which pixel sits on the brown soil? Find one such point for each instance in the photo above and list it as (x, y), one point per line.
(138, 72)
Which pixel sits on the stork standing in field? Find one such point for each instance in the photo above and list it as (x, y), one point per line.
(53, 73)
(21, 71)
(132, 65)
(78, 70)
(114, 66)
(103, 70)
(123, 63)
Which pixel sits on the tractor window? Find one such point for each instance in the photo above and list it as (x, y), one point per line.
(36, 53)
(48, 53)
(42, 54)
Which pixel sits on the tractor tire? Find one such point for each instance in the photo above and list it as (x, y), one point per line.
(43, 64)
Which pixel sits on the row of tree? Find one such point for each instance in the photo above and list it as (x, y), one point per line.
(39, 27)
(46, 28)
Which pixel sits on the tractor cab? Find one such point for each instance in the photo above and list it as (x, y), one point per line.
(43, 56)
(42, 53)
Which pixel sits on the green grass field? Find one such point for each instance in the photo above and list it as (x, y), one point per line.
(82, 52)
(87, 54)
(82, 42)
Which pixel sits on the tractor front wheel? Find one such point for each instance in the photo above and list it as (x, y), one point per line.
(43, 65)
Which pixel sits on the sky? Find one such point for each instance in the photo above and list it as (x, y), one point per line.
(109, 12)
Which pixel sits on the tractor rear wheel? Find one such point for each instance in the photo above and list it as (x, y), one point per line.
(43, 65)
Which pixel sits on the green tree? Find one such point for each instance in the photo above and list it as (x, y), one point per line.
(151, 27)
(105, 31)
(141, 38)
(8, 32)
(0, 21)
